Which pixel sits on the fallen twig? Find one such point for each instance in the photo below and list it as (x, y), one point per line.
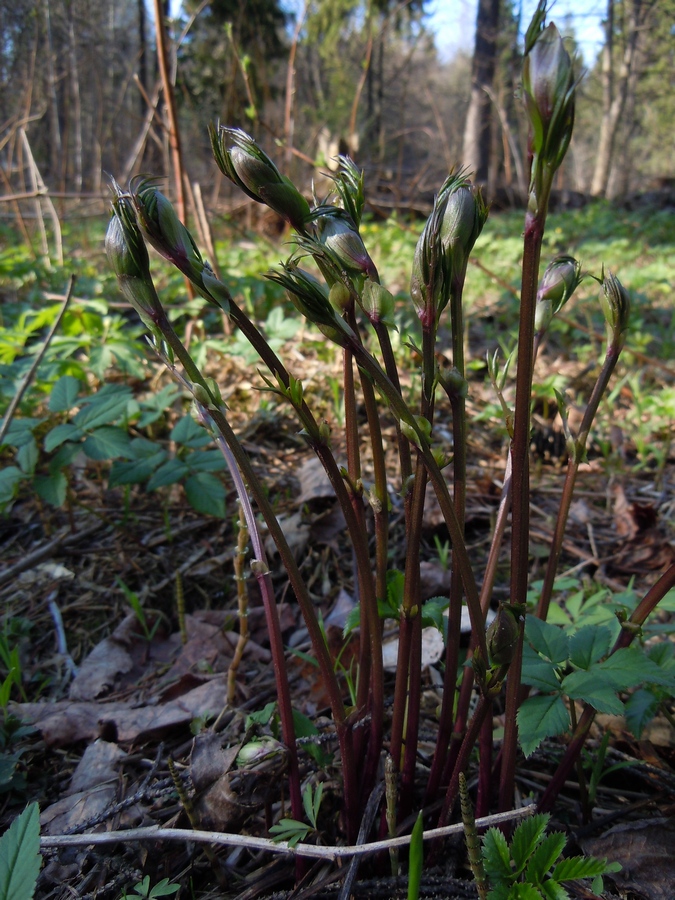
(255, 843)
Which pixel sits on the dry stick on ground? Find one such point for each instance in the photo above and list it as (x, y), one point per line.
(253, 843)
(30, 374)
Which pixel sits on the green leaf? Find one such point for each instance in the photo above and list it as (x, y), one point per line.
(593, 688)
(524, 892)
(289, 830)
(525, 838)
(551, 890)
(496, 855)
(189, 434)
(588, 645)
(135, 471)
(432, 613)
(107, 442)
(537, 672)
(61, 433)
(206, 461)
(169, 472)
(582, 867)
(64, 393)
(163, 888)
(104, 407)
(20, 856)
(630, 666)
(10, 476)
(545, 856)
(206, 494)
(416, 859)
(51, 488)
(641, 707)
(539, 718)
(548, 640)
(27, 456)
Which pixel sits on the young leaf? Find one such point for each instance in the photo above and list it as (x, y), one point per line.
(588, 645)
(289, 830)
(496, 855)
(51, 488)
(103, 408)
(551, 890)
(537, 672)
(206, 494)
(641, 708)
(107, 442)
(64, 393)
(20, 856)
(416, 859)
(189, 434)
(582, 867)
(61, 433)
(593, 688)
(548, 640)
(539, 718)
(544, 857)
(525, 838)
(10, 476)
(170, 472)
(630, 666)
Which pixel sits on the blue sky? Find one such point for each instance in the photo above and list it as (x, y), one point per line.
(454, 22)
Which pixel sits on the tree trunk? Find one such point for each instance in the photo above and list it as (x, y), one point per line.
(77, 107)
(476, 149)
(52, 101)
(615, 91)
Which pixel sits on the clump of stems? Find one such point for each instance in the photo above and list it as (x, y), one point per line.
(349, 297)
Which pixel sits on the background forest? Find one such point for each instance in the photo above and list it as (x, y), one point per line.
(80, 94)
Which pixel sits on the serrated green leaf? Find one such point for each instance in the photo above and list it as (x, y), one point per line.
(525, 838)
(289, 830)
(107, 442)
(206, 461)
(189, 434)
(51, 488)
(641, 707)
(630, 666)
(545, 856)
(538, 672)
(64, 393)
(588, 645)
(10, 477)
(579, 867)
(524, 892)
(20, 856)
(539, 718)
(170, 472)
(496, 855)
(61, 433)
(432, 612)
(593, 688)
(206, 494)
(548, 640)
(551, 890)
(103, 408)
(135, 471)
(27, 457)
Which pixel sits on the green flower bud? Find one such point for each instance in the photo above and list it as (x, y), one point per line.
(454, 382)
(463, 220)
(338, 233)
(128, 257)
(259, 751)
(615, 304)
(247, 166)
(502, 637)
(429, 281)
(340, 297)
(560, 280)
(310, 298)
(377, 303)
(548, 89)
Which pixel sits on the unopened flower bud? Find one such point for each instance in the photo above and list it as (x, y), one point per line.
(463, 220)
(249, 167)
(128, 257)
(260, 750)
(338, 233)
(340, 297)
(558, 283)
(378, 303)
(615, 304)
(548, 87)
(502, 637)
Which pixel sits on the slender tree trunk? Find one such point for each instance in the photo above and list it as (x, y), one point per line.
(615, 90)
(77, 106)
(476, 149)
(143, 69)
(52, 101)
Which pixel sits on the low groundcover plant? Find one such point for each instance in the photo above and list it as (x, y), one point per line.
(520, 653)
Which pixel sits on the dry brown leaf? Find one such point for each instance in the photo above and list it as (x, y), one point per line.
(98, 765)
(314, 483)
(74, 810)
